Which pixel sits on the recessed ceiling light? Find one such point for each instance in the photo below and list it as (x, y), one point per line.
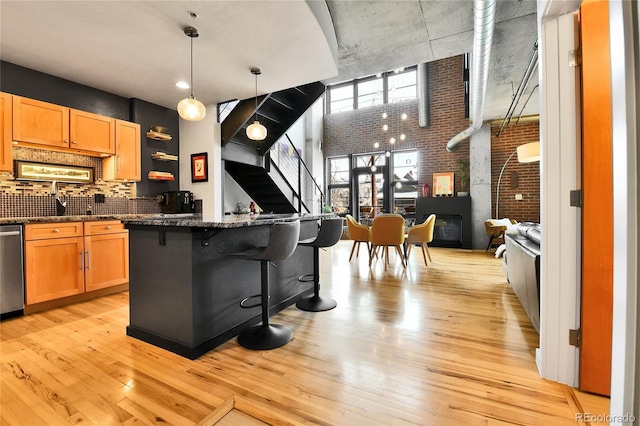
(182, 84)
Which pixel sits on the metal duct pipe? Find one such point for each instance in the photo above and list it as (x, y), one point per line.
(484, 12)
(424, 119)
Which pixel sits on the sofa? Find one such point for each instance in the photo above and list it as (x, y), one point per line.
(521, 262)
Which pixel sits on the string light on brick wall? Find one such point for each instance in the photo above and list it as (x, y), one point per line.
(403, 117)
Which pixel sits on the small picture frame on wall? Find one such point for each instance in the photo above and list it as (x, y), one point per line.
(199, 167)
(443, 184)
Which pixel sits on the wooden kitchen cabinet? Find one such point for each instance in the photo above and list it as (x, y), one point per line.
(54, 267)
(106, 246)
(6, 138)
(70, 258)
(37, 123)
(40, 123)
(125, 164)
(91, 132)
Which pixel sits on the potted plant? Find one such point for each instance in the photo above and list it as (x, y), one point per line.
(465, 178)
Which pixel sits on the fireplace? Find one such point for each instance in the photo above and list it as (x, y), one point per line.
(453, 220)
(447, 231)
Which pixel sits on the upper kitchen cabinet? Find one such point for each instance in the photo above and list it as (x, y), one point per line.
(38, 123)
(5, 131)
(125, 164)
(92, 132)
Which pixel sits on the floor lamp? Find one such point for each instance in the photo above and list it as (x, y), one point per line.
(527, 153)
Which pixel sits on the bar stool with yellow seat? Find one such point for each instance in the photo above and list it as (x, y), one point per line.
(283, 241)
(387, 230)
(421, 234)
(358, 233)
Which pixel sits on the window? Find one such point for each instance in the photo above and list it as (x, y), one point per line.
(341, 98)
(369, 160)
(405, 165)
(405, 183)
(387, 87)
(338, 193)
(402, 85)
(370, 92)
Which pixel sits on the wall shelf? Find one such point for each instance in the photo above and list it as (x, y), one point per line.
(158, 136)
(161, 156)
(157, 175)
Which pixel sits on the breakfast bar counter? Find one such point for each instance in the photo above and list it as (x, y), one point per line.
(184, 290)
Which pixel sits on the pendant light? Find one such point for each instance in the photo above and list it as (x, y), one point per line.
(256, 131)
(190, 108)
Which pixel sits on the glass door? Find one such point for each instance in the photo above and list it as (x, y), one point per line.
(370, 193)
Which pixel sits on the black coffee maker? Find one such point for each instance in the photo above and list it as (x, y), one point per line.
(177, 202)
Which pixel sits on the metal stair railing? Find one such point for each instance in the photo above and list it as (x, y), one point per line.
(285, 156)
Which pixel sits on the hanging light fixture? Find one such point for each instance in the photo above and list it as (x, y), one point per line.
(256, 131)
(190, 108)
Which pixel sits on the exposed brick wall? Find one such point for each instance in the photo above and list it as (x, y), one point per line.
(518, 178)
(353, 132)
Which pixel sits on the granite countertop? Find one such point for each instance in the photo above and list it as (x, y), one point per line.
(229, 221)
(193, 220)
(78, 218)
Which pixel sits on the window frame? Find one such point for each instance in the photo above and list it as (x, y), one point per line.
(354, 85)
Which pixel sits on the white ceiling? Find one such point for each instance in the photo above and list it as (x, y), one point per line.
(138, 48)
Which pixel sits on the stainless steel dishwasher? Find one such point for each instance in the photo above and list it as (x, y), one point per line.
(11, 271)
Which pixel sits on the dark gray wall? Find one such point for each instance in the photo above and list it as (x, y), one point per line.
(33, 84)
(147, 114)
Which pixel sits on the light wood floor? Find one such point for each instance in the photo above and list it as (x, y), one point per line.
(444, 345)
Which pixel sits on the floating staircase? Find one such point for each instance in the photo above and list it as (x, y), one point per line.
(245, 159)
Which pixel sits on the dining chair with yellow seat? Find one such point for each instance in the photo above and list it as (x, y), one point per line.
(421, 234)
(358, 233)
(387, 230)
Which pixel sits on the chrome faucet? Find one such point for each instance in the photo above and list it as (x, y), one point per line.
(61, 206)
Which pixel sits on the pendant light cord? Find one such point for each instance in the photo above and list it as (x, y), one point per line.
(256, 111)
(191, 37)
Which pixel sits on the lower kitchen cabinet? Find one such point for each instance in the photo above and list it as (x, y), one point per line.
(53, 268)
(66, 259)
(107, 259)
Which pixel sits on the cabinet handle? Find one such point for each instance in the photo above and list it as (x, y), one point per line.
(88, 260)
(56, 230)
(66, 141)
(74, 142)
(82, 261)
(109, 227)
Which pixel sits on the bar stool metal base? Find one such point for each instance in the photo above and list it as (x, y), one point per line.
(316, 304)
(263, 337)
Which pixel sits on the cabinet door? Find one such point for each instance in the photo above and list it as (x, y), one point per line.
(6, 138)
(92, 132)
(54, 268)
(40, 123)
(106, 260)
(125, 165)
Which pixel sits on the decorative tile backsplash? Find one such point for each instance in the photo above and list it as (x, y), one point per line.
(31, 198)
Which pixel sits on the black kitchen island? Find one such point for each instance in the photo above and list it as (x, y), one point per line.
(185, 293)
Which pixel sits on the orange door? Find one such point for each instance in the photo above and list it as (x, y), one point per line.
(597, 211)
